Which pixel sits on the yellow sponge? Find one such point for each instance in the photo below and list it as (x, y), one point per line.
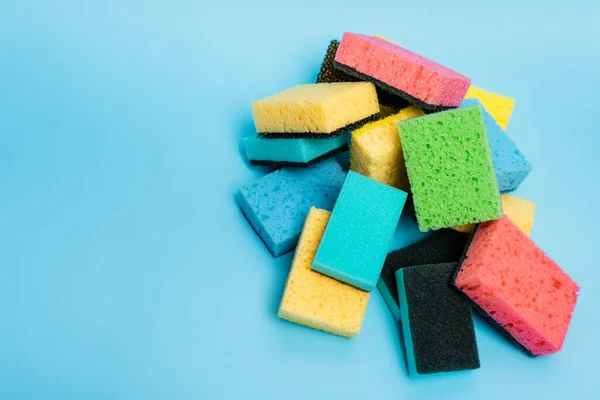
(316, 110)
(499, 106)
(315, 300)
(520, 211)
(376, 150)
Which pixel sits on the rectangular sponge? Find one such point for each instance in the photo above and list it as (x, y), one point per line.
(520, 211)
(376, 151)
(450, 168)
(509, 162)
(285, 152)
(499, 106)
(318, 110)
(440, 247)
(315, 300)
(437, 322)
(518, 287)
(401, 72)
(277, 203)
(359, 233)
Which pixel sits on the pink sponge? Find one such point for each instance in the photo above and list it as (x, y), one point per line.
(526, 294)
(401, 72)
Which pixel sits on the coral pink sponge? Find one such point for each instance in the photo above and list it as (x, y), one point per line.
(401, 72)
(528, 296)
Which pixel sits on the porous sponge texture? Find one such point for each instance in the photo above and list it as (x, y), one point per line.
(520, 211)
(277, 203)
(300, 151)
(321, 108)
(376, 151)
(515, 284)
(315, 300)
(399, 68)
(499, 106)
(359, 232)
(509, 162)
(450, 169)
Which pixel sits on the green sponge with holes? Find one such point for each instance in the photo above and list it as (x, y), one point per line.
(450, 168)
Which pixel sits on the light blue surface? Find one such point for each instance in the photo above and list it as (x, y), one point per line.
(405, 325)
(359, 232)
(277, 204)
(290, 150)
(128, 272)
(509, 162)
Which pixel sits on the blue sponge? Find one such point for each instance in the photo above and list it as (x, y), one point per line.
(277, 204)
(509, 162)
(286, 152)
(359, 232)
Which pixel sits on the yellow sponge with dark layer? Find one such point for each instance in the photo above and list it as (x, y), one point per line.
(376, 150)
(315, 300)
(500, 107)
(520, 211)
(318, 110)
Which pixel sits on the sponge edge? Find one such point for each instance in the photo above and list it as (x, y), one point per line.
(376, 150)
(499, 106)
(520, 211)
(315, 300)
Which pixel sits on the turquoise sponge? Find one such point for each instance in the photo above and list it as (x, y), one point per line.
(357, 237)
(277, 204)
(450, 168)
(511, 165)
(285, 152)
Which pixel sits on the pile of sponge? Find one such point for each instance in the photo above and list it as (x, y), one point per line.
(417, 130)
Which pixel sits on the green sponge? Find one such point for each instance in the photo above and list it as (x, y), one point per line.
(450, 168)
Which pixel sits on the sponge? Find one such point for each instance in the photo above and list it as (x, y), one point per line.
(401, 72)
(329, 74)
(277, 203)
(509, 162)
(278, 153)
(315, 300)
(359, 233)
(376, 151)
(520, 211)
(437, 322)
(318, 111)
(441, 246)
(518, 287)
(450, 169)
(499, 106)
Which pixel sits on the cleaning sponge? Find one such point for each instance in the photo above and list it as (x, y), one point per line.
(436, 321)
(520, 211)
(317, 111)
(376, 151)
(517, 286)
(315, 300)
(285, 152)
(449, 165)
(440, 247)
(499, 106)
(509, 162)
(276, 204)
(401, 72)
(358, 235)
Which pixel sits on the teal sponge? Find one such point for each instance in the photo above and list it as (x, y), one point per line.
(359, 232)
(450, 168)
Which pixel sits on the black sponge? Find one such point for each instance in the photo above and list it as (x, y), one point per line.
(437, 321)
(329, 74)
(441, 246)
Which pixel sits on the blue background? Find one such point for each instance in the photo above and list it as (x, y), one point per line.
(127, 272)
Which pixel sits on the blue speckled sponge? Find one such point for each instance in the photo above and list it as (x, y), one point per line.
(509, 162)
(291, 151)
(277, 204)
(359, 232)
